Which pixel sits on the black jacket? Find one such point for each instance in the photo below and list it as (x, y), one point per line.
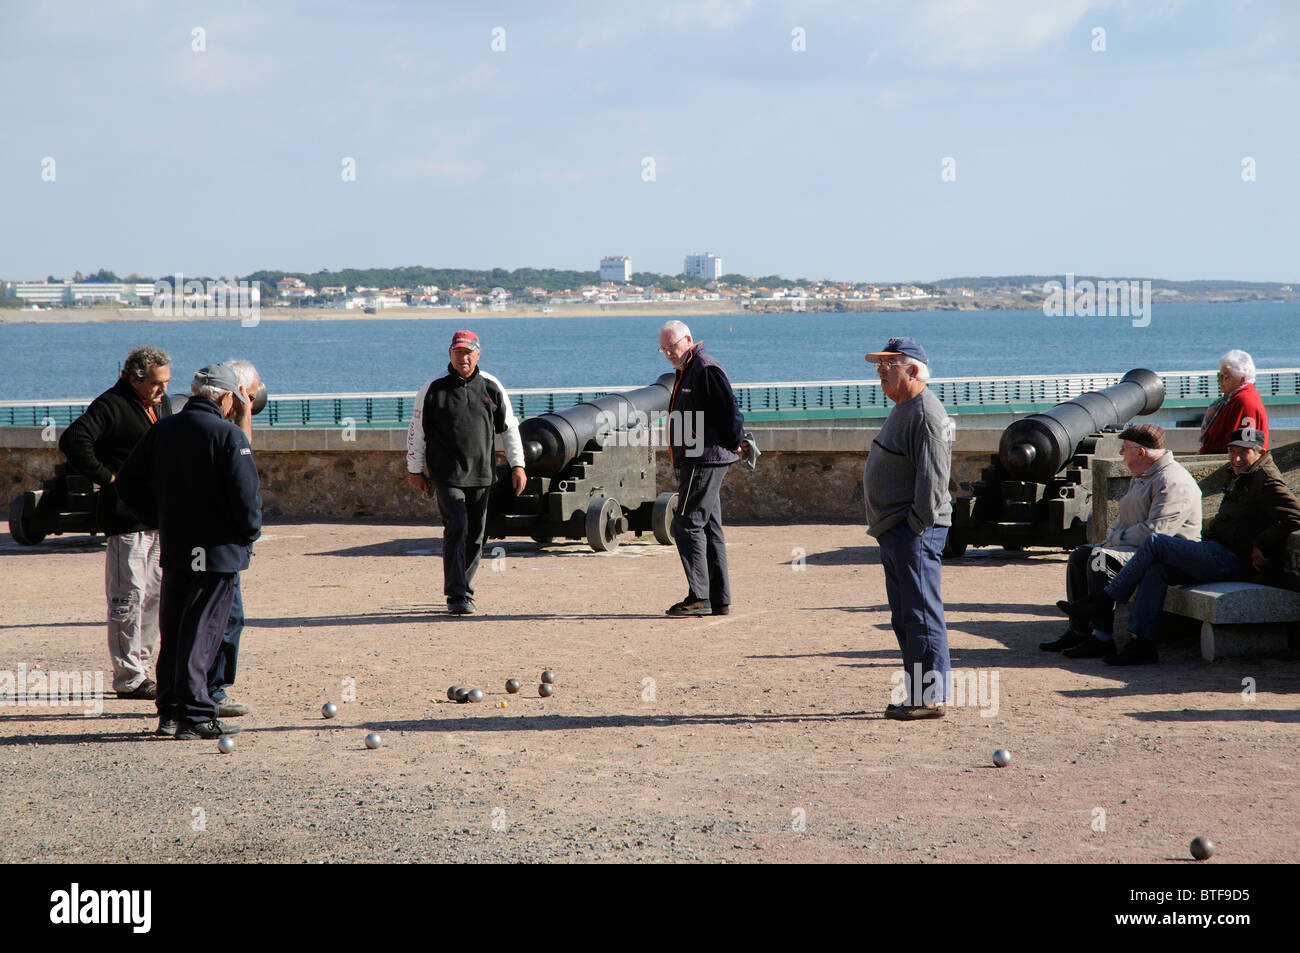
(98, 441)
(702, 395)
(192, 476)
(453, 431)
(1258, 509)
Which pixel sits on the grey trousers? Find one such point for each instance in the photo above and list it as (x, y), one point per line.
(464, 522)
(700, 543)
(133, 584)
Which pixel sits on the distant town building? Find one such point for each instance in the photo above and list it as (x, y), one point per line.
(706, 267)
(68, 293)
(616, 268)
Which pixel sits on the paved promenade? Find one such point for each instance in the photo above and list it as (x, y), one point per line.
(753, 737)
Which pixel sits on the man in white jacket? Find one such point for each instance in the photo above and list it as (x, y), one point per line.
(1162, 498)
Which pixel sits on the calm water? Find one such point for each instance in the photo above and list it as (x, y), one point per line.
(56, 361)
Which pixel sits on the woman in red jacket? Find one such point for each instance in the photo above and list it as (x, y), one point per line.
(1240, 405)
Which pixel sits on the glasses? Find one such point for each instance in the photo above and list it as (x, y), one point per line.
(883, 366)
(672, 344)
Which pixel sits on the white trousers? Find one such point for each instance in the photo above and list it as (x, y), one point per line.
(133, 583)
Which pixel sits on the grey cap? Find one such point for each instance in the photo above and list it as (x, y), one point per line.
(222, 377)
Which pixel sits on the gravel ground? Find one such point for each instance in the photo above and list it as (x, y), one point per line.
(754, 737)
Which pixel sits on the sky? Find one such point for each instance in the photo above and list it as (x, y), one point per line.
(860, 141)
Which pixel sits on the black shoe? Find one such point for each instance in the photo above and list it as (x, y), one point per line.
(1089, 606)
(461, 606)
(166, 728)
(1139, 651)
(145, 691)
(914, 712)
(1091, 647)
(1068, 640)
(691, 607)
(724, 609)
(205, 729)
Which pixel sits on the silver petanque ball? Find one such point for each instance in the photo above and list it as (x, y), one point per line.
(476, 694)
(512, 686)
(1002, 757)
(1202, 848)
(329, 709)
(373, 740)
(225, 744)
(451, 693)
(548, 677)
(546, 689)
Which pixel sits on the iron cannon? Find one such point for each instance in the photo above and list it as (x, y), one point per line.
(591, 473)
(1037, 489)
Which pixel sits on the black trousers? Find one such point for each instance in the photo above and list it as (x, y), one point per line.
(700, 542)
(464, 524)
(1087, 573)
(192, 617)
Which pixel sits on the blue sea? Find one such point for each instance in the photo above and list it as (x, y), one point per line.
(67, 361)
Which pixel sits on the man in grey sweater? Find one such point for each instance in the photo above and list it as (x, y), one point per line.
(1162, 498)
(909, 510)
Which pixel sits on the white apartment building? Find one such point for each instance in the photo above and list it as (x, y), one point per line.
(616, 268)
(72, 293)
(706, 267)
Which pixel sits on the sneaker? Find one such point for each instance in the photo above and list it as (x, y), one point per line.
(229, 708)
(691, 607)
(1068, 640)
(461, 606)
(914, 712)
(1138, 651)
(145, 691)
(166, 728)
(205, 729)
(1090, 647)
(724, 609)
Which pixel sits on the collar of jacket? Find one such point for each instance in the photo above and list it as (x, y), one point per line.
(197, 405)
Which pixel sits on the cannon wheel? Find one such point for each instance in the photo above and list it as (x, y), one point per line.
(663, 517)
(604, 516)
(953, 549)
(24, 525)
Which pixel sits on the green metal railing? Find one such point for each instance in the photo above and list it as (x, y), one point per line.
(791, 401)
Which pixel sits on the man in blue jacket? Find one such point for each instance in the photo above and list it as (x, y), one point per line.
(192, 475)
(706, 434)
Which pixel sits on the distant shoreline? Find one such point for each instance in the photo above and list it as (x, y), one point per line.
(664, 309)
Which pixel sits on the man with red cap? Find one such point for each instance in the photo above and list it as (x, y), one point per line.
(451, 444)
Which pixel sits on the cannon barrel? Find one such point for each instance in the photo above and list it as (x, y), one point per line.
(1037, 447)
(552, 441)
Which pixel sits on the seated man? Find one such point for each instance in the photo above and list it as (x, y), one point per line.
(1162, 497)
(1248, 535)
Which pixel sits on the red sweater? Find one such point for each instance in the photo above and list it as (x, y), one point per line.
(1244, 409)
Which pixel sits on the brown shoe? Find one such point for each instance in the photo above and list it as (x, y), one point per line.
(914, 712)
(145, 691)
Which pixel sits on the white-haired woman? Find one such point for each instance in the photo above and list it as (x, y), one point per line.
(1240, 405)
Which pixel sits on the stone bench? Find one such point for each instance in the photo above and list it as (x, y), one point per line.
(1237, 618)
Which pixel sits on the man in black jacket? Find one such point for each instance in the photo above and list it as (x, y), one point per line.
(1246, 537)
(95, 444)
(706, 434)
(451, 444)
(193, 475)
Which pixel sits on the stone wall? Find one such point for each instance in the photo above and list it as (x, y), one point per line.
(805, 474)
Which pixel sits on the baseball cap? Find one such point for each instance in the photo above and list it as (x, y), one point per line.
(905, 346)
(1251, 437)
(222, 377)
(465, 339)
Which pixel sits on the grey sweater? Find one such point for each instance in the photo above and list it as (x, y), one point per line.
(906, 475)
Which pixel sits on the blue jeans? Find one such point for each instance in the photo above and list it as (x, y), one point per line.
(912, 579)
(1162, 559)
